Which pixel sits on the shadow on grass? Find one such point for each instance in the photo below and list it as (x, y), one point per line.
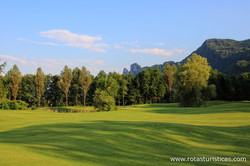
(131, 143)
(211, 107)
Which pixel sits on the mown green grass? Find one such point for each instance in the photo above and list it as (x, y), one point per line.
(133, 135)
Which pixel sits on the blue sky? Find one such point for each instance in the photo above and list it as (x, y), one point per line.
(111, 35)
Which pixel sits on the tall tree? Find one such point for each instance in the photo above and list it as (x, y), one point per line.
(101, 80)
(85, 80)
(134, 95)
(3, 91)
(27, 91)
(168, 75)
(112, 87)
(53, 94)
(123, 87)
(15, 77)
(244, 81)
(3, 88)
(39, 82)
(64, 82)
(2, 67)
(191, 78)
(75, 86)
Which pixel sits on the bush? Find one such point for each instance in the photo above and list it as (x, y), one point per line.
(103, 101)
(6, 104)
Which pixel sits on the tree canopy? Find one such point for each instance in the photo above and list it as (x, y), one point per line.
(39, 81)
(191, 77)
(190, 84)
(15, 77)
(64, 82)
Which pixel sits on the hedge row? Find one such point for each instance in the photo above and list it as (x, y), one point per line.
(6, 104)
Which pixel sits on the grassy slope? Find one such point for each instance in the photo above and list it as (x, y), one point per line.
(135, 135)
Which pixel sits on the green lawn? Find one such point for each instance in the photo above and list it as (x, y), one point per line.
(132, 135)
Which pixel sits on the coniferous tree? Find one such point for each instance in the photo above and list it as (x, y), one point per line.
(123, 87)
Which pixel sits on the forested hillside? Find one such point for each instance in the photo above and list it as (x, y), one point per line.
(228, 56)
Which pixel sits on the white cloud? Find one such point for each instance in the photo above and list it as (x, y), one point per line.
(53, 66)
(75, 40)
(39, 43)
(156, 51)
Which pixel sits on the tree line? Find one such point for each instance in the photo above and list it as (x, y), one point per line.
(190, 84)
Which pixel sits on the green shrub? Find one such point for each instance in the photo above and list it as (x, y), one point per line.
(6, 104)
(103, 101)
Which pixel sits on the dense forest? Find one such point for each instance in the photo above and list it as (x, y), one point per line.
(191, 84)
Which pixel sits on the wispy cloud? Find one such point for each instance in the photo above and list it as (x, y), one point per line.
(12, 58)
(129, 43)
(53, 66)
(75, 40)
(39, 43)
(117, 46)
(160, 44)
(156, 51)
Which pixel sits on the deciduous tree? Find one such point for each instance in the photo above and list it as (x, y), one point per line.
(168, 75)
(39, 82)
(3, 91)
(85, 80)
(15, 77)
(103, 101)
(2, 67)
(191, 78)
(75, 86)
(64, 82)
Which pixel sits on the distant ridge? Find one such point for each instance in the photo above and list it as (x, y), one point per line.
(228, 56)
(135, 68)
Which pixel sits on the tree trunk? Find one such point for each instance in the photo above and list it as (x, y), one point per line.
(39, 98)
(170, 96)
(66, 95)
(84, 98)
(76, 100)
(123, 100)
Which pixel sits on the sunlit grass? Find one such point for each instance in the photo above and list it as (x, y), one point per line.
(133, 135)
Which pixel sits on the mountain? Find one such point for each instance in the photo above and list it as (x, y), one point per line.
(135, 68)
(228, 56)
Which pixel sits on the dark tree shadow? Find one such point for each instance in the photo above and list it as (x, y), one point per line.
(131, 143)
